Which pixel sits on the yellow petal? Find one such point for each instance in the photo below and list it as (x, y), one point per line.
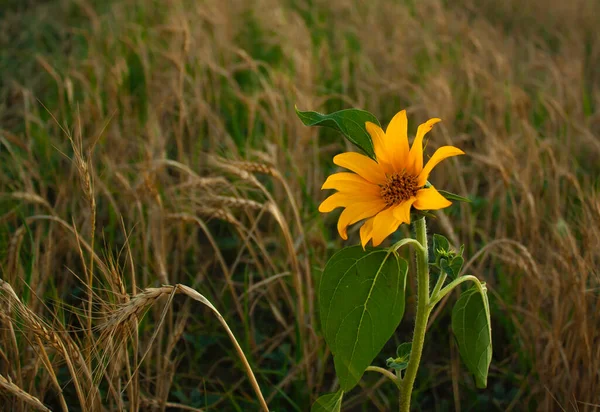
(351, 183)
(439, 155)
(366, 232)
(336, 200)
(380, 146)
(356, 212)
(416, 151)
(362, 165)
(430, 199)
(402, 211)
(397, 140)
(384, 225)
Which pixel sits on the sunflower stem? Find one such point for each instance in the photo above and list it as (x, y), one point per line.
(423, 311)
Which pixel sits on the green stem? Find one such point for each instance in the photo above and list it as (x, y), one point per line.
(407, 241)
(385, 373)
(438, 286)
(436, 297)
(423, 311)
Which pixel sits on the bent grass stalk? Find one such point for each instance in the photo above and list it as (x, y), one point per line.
(141, 302)
(197, 296)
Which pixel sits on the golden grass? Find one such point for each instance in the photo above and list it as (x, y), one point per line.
(182, 162)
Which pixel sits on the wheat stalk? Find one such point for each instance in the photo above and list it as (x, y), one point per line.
(134, 307)
(254, 167)
(13, 389)
(46, 335)
(142, 301)
(228, 201)
(244, 170)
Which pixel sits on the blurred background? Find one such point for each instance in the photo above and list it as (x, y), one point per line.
(154, 142)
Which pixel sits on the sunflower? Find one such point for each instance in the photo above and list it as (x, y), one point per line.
(382, 191)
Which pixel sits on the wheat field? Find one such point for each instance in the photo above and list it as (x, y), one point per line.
(149, 152)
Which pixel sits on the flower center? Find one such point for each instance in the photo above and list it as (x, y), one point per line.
(399, 188)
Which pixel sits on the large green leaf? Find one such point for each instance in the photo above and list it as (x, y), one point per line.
(332, 402)
(361, 298)
(350, 122)
(472, 328)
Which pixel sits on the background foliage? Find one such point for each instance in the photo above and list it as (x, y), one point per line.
(187, 164)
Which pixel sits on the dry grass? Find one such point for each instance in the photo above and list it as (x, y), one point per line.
(169, 154)
(19, 393)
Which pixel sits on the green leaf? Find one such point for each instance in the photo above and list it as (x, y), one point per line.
(332, 402)
(472, 328)
(446, 258)
(361, 298)
(403, 356)
(403, 351)
(452, 266)
(350, 122)
(452, 196)
(440, 245)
